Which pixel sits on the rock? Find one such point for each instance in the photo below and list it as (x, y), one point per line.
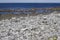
(38, 27)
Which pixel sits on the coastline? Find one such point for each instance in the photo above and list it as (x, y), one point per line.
(29, 21)
(9, 16)
(26, 12)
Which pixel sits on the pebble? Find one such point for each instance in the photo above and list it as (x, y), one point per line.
(28, 28)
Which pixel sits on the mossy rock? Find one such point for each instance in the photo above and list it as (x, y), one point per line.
(53, 38)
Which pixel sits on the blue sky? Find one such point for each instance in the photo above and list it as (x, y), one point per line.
(29, 1)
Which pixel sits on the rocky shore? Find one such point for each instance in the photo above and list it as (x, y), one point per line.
(30, 27)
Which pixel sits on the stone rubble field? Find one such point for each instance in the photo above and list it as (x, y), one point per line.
(39, 27)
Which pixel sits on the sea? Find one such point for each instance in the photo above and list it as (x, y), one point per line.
(27, 5)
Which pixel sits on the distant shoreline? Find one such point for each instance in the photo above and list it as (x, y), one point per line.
(25, 12)
(9, 16)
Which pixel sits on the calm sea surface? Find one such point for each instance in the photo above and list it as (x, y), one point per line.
(27, 5)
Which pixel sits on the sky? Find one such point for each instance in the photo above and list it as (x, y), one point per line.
(29, 1)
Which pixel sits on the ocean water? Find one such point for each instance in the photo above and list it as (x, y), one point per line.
(27, 5)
